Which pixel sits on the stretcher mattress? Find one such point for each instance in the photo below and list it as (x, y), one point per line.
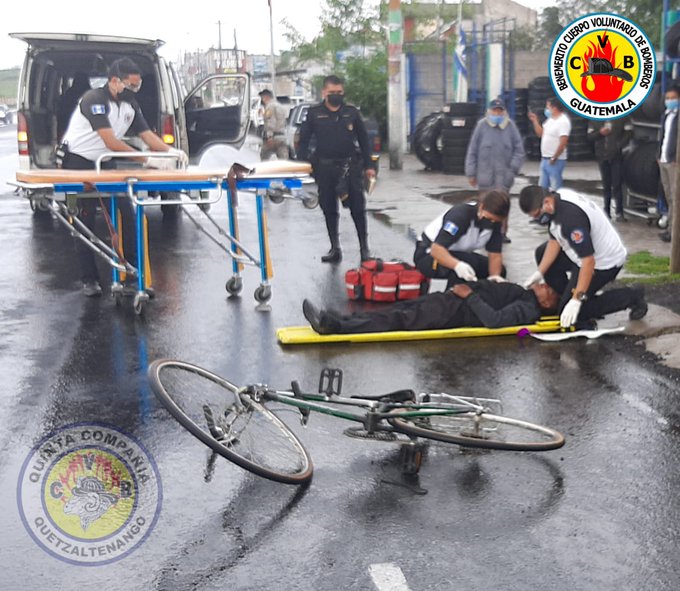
(304, 335)
(61, 176)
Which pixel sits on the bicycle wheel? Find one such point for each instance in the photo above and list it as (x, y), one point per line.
(230, 422)
(484, 430)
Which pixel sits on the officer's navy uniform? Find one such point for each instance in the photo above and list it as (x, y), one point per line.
(342, 154)
(461, 232)
(582, 229)
(81, 147)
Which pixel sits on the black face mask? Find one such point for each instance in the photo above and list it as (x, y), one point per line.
(545, 218)
(335, 100)
(485, 224)
(127, 95)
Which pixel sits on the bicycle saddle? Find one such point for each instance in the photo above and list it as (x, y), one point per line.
(396, 396)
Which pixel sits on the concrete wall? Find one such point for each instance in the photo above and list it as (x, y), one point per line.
(529, 65)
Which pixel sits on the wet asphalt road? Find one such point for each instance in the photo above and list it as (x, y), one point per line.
(601, 513)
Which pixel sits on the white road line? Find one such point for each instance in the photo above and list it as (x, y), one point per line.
(388, 577)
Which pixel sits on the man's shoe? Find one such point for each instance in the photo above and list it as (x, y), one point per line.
(620, 218)
(663, 222)
(365, 254)
(313, 316)
(639, 309)
(506, 239)
(665, 236)
(92, 289)
(334, 255)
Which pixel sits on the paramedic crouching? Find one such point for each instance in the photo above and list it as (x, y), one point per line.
(104, 116)
(583, 254)
(446, 249)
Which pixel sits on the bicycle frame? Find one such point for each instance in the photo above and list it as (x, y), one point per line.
(376, 410)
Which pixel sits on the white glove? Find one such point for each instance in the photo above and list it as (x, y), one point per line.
(536, 276)
(465, 271)
(497, 279)
(570, 313)
(161, 163)
(182, 157)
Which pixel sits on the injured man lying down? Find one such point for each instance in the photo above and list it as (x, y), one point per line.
(482, 303)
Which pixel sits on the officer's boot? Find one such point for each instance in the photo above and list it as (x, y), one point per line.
(359, 217)
(334, 255)
(364, 251)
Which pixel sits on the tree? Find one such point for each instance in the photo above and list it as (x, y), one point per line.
(644, 13)
(352, 44)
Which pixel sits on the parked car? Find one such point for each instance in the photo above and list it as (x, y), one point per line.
(217, 111)
(296, 118)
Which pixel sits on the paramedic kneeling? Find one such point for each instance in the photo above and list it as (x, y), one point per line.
(583, 254)
(446, 247)
(98, 124)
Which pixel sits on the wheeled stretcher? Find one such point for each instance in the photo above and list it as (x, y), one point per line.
(57, 191)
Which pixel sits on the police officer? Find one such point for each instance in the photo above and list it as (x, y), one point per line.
(341, 158)
(446, 248)
(583, 254)
(274, 141)
(102, 118)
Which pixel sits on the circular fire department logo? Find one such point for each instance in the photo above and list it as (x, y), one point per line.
(602, 66)
(89, 494)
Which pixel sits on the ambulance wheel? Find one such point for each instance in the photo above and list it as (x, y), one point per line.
(234, 285)
(263, 293)
(311, 201)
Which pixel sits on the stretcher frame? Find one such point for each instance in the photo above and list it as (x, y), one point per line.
(59, 197)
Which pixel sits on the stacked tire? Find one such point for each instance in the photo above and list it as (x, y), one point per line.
(521, 110)
(580, 147)
(640, 170)
(427, 140)
(539, 91)
(458, 125)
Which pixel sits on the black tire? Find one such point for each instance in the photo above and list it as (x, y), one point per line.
(254, 438)
(462, 110)
(452, 429)
(673, 41)
(427, 141)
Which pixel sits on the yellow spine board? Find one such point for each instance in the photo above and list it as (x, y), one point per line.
(301, 335)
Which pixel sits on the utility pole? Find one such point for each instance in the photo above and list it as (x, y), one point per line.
(219, 46)
(395, 88)
(674, 201)
(271, 51)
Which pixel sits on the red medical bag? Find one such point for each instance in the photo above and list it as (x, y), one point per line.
(385, 281)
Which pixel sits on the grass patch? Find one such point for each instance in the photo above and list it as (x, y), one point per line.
(649, 269)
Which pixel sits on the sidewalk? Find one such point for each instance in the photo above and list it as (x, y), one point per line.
(408, 199)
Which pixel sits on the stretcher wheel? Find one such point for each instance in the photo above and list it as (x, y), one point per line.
(310, 201)
(275, 196)
(139, 302)
(234, 285)
(263, 293)
(204, 195)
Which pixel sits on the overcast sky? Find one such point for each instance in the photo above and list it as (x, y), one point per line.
(189, 25)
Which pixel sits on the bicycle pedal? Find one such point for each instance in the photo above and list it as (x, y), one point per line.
(361, 433)
(330, 381)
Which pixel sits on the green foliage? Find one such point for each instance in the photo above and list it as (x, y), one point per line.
(366, 85)
(645, 13)
(347, 25)
(645, 263)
